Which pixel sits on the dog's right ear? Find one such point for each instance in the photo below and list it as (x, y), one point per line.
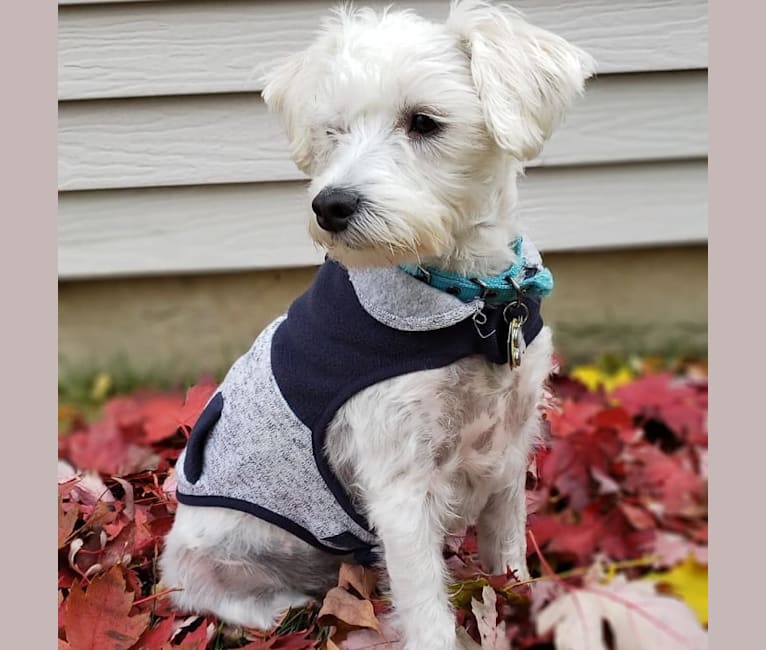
(290, 88)
(285, 92)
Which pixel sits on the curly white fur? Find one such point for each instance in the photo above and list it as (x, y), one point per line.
(423, 453)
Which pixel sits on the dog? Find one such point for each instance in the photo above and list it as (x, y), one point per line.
(399, 398)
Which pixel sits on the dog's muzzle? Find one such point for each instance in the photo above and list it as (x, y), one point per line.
(334, 208)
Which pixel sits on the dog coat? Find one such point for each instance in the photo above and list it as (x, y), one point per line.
(258, 445)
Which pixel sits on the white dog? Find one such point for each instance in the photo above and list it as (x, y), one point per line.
(392, 404)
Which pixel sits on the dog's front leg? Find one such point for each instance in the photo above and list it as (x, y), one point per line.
(405, 518)
(502, 529)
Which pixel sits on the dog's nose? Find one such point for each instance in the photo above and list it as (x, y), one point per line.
(333, 207)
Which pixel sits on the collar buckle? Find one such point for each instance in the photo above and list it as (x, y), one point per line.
(486, 292)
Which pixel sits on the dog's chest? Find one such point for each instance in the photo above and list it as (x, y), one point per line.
(485, 410)
(467, 425)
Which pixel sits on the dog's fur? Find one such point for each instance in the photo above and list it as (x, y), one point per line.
(424, 453)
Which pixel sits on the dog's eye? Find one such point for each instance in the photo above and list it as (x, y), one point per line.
(333, 132)
(421, 124)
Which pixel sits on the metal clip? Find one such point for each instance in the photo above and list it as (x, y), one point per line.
(486, 292)
(424, 274)
(515, 344)
(516, 304)
(479, 319)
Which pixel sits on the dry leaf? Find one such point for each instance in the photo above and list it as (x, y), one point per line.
(492, 635)
(67, 521)
(362, 579)
(639, 619)
(98, 618)
(343, 609)
(466, 642)
(386, 639)
(689, 581)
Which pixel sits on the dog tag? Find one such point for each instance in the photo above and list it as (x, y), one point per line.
(515, 343)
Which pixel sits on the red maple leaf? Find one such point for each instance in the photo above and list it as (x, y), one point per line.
(104, 447)
(669, 479)
(571, 417)
(160, 634)
(165, 416)
(571, 461)
(99, 617)
(678, 404)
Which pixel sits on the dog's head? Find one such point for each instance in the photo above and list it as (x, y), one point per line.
(411, 131)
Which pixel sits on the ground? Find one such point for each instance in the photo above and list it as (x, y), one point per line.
(617, 527)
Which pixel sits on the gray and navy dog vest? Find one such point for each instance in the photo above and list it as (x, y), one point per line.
(258, 445)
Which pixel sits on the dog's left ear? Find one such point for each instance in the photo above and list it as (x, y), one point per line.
(526, 76)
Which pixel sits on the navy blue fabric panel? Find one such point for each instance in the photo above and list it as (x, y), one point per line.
(329, 341)
(329, 348)
(349, 544)
(195, 448)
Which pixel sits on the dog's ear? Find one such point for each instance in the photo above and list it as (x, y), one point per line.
(285, 92)
(526, 76)
(290, 87)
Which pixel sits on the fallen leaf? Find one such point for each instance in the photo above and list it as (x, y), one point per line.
(386, 639)
(339, 606)
(161, 633)
(465, 641)
(165, 415)
(595, 377)
(67, 520)
(671, 549)
(198, 639)
(362, 579)
(98, 618)
(638, 617)
(197, 398)
(492, 635)
(102, 384)
(638, 517)
(674, 402)
(689, 581)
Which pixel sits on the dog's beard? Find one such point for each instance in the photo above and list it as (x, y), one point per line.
(372, 239)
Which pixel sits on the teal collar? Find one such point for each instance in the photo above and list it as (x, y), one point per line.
(535, 281)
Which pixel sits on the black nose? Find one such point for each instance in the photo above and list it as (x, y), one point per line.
(333, 207)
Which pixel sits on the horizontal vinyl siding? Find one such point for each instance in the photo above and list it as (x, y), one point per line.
(263, 225)
(233, 139)
(165, 48)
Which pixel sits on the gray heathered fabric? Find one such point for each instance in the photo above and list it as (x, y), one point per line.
(260, 452)
(403, 302)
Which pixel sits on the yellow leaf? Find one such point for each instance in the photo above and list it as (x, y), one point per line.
(688, 581)
(101, 386)
(595, 377)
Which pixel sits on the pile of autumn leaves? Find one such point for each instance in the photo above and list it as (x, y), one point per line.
(617, 532)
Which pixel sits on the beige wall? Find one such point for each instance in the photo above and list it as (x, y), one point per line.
(642, 301)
